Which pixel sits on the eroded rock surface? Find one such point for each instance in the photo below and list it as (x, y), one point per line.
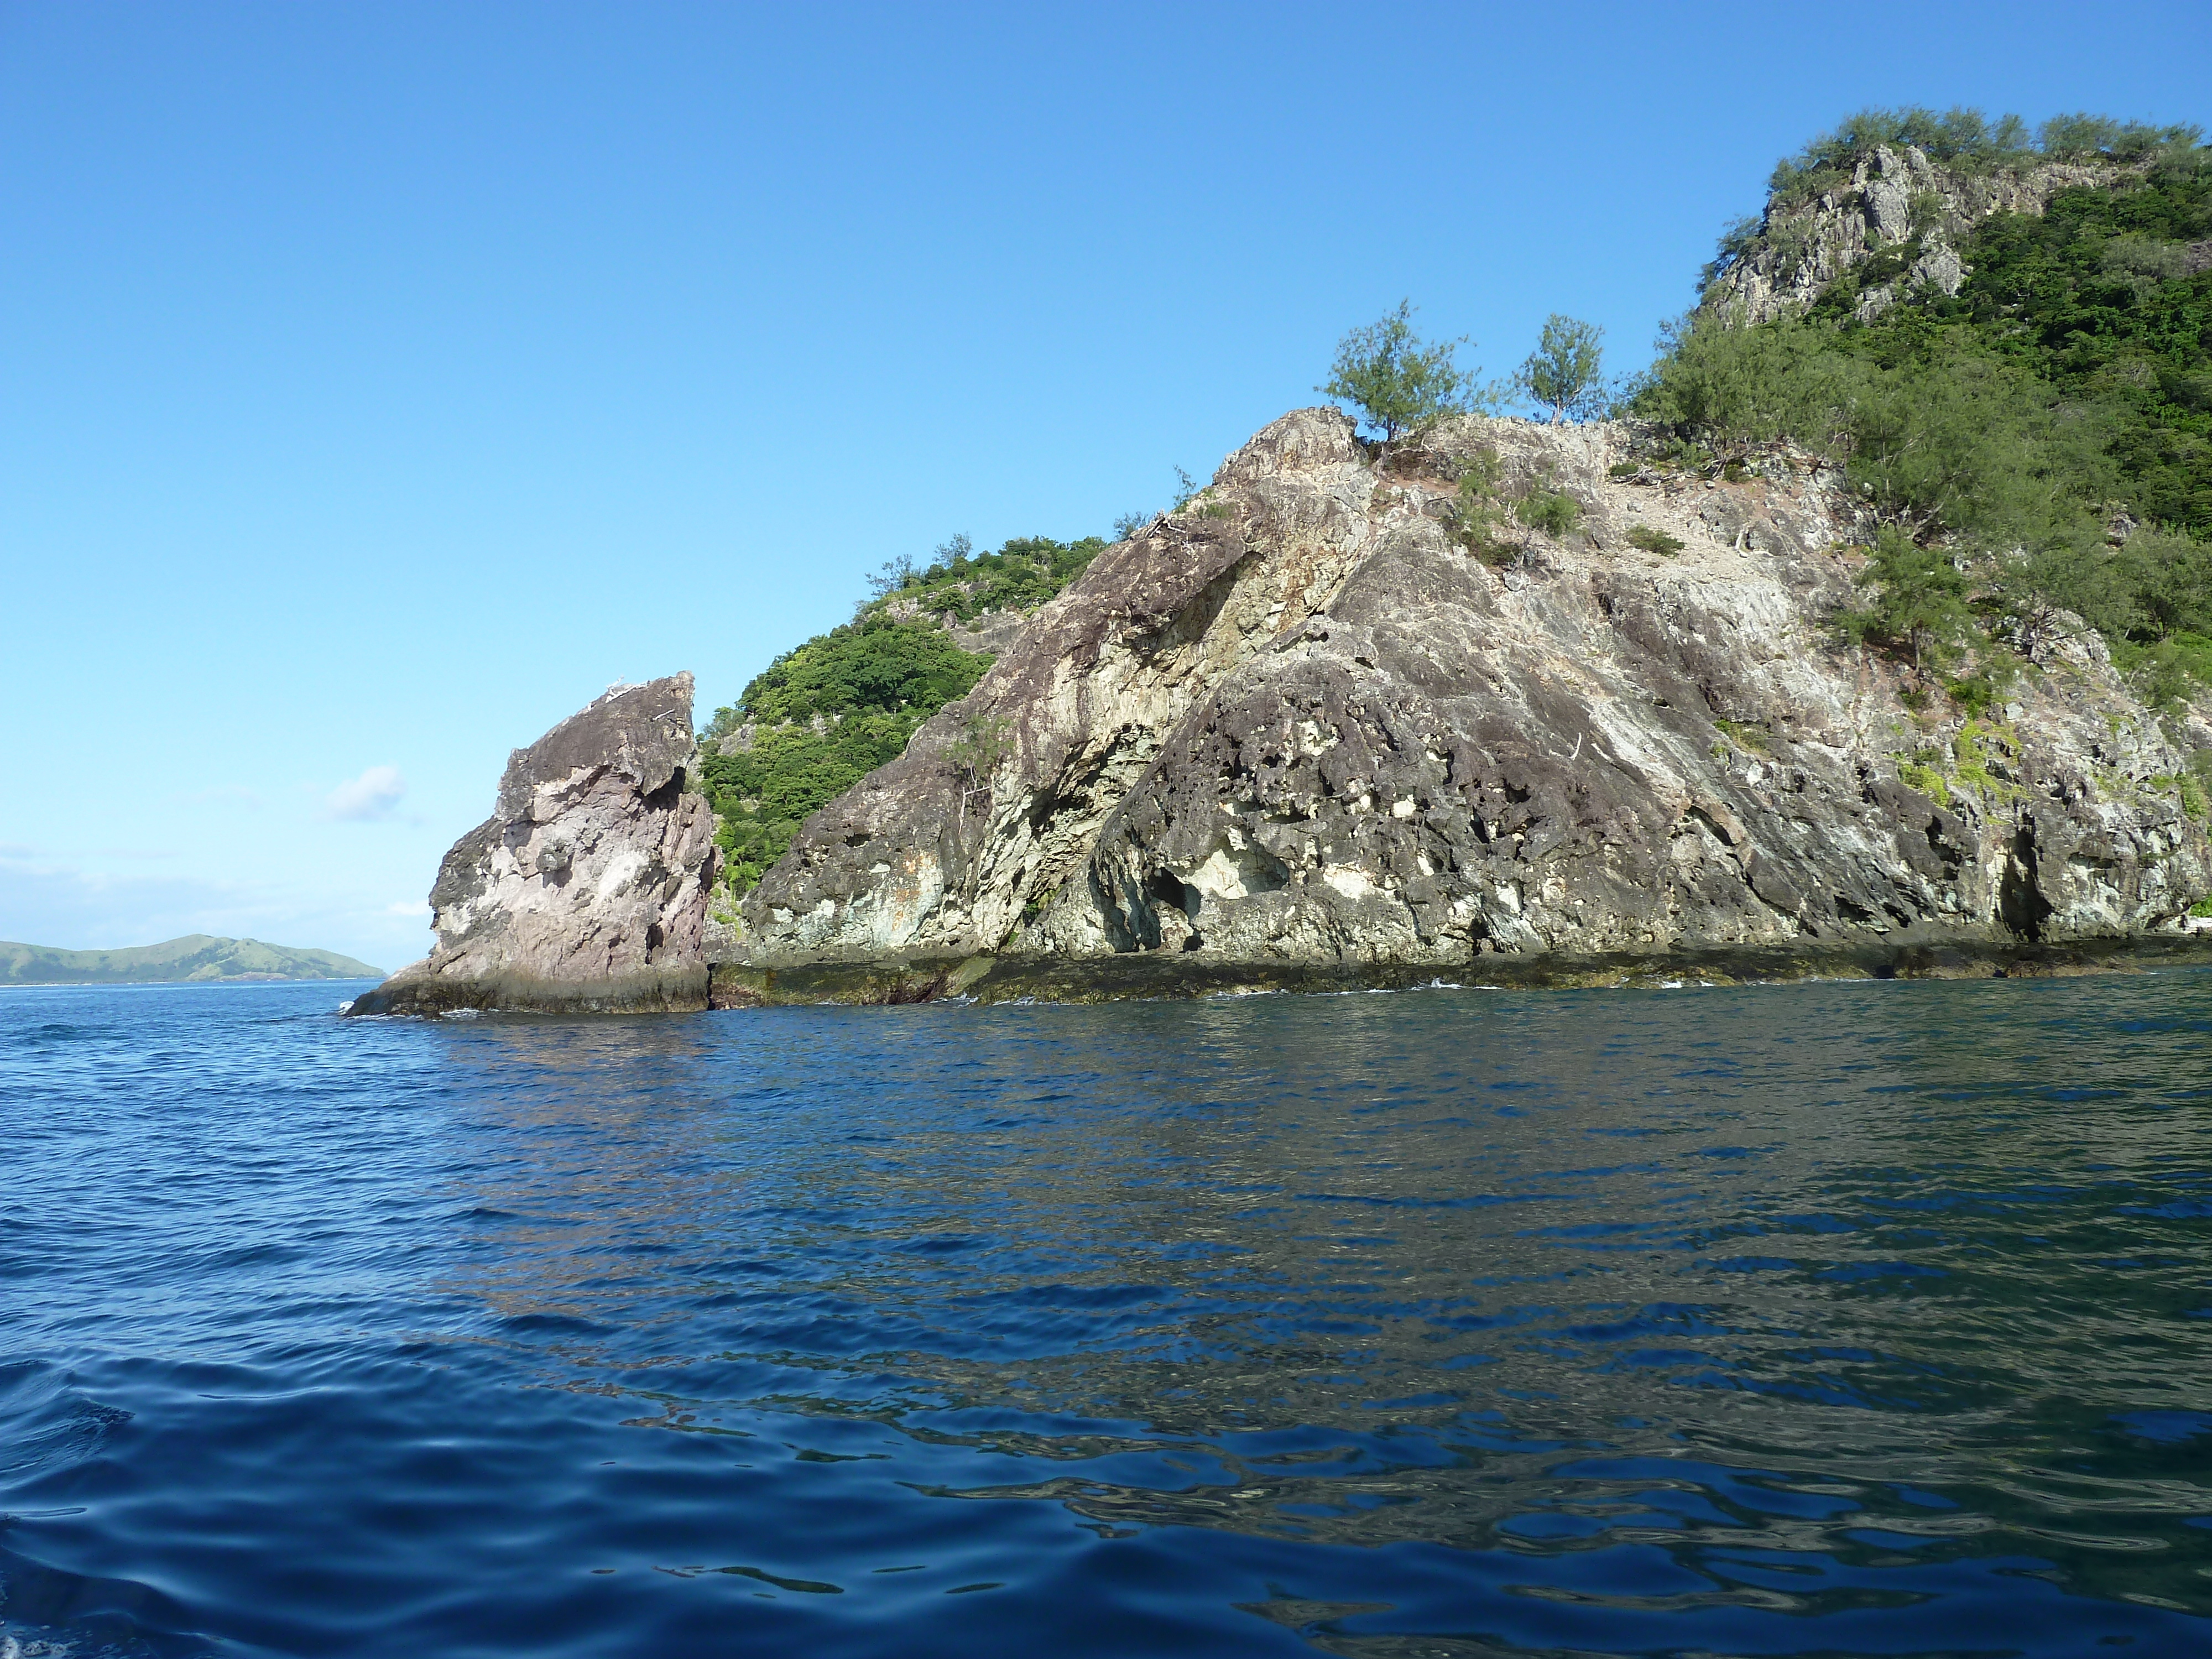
(586, 889)
(1297, 722)
(1895, 199)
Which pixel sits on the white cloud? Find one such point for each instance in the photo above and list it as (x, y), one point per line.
(408, 907)
(372, 795)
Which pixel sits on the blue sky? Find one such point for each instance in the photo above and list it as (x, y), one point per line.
(382, 381)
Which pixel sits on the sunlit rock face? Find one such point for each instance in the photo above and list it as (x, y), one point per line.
(586, 889)
(1896, 199)
(1300, 721)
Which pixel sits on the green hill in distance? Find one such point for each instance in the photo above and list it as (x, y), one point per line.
(196, 958)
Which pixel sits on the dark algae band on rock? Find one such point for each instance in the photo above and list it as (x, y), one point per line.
(1149, 976)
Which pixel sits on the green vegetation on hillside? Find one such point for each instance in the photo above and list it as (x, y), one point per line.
(2045, 437)
(1967, 141)
(825, 715)
(963, 583)
(196, 958)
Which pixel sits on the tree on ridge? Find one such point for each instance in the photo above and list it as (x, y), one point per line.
(1399, 382)
(1562, 372)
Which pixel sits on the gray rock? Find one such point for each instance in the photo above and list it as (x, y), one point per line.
(1296, 723)
(1805, 246)
(587, 888)
(992, 631)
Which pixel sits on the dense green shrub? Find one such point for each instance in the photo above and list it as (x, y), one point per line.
(1481, 516)
(960, 582)
(2049, 428)
(826, 714)
(1552, 511)
(762, 795)
(1478, 514)
(873, 664)
(1653, 539)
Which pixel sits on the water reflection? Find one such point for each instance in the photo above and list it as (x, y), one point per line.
(1822, 1319)
(1844, 1272)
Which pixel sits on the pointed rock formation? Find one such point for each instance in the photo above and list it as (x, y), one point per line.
(586, 889)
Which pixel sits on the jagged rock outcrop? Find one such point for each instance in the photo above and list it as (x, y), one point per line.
(1896, 201)
(1298, 722)
(586, 889)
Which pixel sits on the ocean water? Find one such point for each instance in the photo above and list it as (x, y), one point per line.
(1822, 1319)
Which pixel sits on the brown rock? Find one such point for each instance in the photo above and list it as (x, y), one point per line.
(1297, 722)
(586, 889)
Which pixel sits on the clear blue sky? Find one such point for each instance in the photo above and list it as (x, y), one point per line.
(382, 380)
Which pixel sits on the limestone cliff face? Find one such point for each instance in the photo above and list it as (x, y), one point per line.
(1896, 199)
(586, 889)
(1297, 722)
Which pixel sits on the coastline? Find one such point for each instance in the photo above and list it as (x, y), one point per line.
(173, 984)
(1148, 976)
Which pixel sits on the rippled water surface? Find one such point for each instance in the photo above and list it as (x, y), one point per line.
(1817, 1319)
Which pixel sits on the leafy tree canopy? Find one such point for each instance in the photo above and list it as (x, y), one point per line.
(1561, 374)
(1398, 381)
(960, 582)
(874, 665)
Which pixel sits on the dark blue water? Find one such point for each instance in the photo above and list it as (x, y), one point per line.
(1820, 1319)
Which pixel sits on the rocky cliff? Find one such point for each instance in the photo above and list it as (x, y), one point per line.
(1311, 724)
(1896, 223)
(586, 889)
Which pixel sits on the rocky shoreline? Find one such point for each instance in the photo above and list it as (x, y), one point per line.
(1131, 978)
(1151, 978)
(1303, 722)
(1314, 732)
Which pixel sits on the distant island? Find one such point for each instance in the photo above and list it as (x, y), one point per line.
(196, 958)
